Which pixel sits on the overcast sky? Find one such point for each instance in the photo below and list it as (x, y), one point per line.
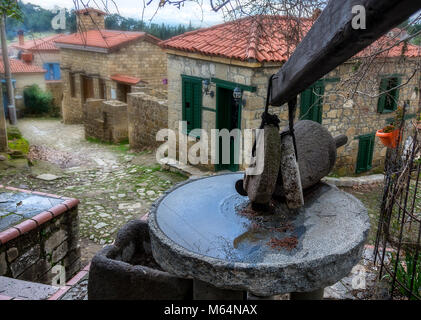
(133, 8)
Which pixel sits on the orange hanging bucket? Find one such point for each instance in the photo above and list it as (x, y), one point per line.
(389, 139)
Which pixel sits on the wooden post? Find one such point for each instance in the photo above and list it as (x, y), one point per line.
(7, 73)
(3, 132)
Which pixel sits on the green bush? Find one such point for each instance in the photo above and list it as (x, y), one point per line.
(36, 100)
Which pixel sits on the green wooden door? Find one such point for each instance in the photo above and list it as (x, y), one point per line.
(192, 103)
(365, 153)
(228, 117)
(311, 102)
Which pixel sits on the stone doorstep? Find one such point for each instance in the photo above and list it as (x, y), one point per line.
(355, 181)
(184, 169)
(15, 289)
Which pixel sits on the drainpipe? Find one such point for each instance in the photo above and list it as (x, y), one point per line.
(7, 73)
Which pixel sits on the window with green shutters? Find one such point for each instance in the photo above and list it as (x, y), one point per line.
(388, 100)
(192, 102)
(311, 102)
(365, 152)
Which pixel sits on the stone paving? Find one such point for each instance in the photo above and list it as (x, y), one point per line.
(113, 184)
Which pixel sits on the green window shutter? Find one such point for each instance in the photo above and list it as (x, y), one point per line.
(197, 105)
(305, 102)
(365, 153)
(318, 110)
(192, 103)
(382, 98)
(311, 104)
(396, 93)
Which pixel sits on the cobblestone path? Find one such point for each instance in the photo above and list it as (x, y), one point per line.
(113, 184)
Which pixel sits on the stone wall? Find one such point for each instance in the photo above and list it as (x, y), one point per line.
(40, 243)
(140, 59)
(55, 87)
(90, 20)
(105, 120)
(340, 118)
(146, 115)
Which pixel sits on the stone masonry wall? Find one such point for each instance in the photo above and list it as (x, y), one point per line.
(139, 59)
(32, 254)
(339, 118)
(105, 120)
(56, 90)
(146, 115)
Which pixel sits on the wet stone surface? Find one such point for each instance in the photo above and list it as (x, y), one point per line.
(205, 237)
(16, 207)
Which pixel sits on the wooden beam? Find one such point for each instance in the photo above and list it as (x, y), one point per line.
(332, 40)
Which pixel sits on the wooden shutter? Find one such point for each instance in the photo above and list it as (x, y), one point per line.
(396, 93)
(46, 67)
(305, 103)
(365, 153)
(192, 103)
(197, 105)
(319, 90)
(311, 104)
(382, 98)
(56, 70)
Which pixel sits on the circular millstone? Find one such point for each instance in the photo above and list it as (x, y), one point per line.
(203, 229)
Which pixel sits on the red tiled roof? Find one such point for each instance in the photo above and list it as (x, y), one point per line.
(17, 66)
(125, 79)
(386, 46)
(258, 38)
(106, 39)
(90, 10)
(41, 44)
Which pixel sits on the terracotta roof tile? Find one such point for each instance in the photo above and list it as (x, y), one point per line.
(125, 79)
(17, 66)
(261, 38)
(107, 39)
(41, 44)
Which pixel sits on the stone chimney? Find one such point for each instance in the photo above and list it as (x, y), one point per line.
(90, 19)
(21, 38)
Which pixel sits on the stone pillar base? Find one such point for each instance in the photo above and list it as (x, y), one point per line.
(312, 295)
(205, 291)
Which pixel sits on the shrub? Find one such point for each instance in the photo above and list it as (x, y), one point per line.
(36, 100)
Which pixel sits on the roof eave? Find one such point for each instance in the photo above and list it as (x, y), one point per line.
(82, 47)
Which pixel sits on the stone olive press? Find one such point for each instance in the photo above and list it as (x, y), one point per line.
(230, 247)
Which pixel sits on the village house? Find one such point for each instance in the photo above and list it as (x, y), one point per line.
(105, 64)
(207, 66)
(42, 52)
(23, 75)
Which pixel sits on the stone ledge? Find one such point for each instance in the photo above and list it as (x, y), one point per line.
(355, 181)
(184, 169)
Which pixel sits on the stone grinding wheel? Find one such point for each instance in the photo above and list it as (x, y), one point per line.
(260, 188)
(290, 174)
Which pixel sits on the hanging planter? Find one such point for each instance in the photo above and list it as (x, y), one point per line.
(388, 136)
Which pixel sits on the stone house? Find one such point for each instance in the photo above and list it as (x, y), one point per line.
(106, 64)
(205, 67)
(42, 52)
(23, 75)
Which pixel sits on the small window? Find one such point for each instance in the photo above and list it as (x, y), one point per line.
(365, 153)
(192, 103)
(388, 100)
(311, 102)
(53, 71)
(102, 89)
(72, 83)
